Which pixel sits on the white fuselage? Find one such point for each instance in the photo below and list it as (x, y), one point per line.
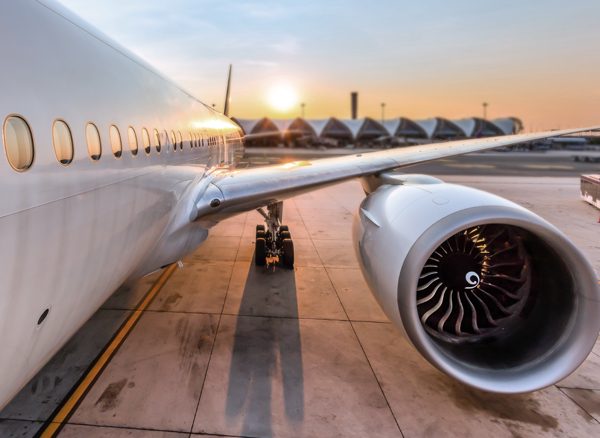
(71, 234)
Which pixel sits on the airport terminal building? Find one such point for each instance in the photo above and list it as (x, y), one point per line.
(368, 131)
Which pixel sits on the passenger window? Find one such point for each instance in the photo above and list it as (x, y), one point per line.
(93, 141)
(18, 143)
(115, 141)
(62, 140)
(146, 141)
(157, 141)
(173, 140)
(166, 140)
(133, 143)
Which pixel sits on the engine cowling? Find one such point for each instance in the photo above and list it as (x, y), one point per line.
(486, 291)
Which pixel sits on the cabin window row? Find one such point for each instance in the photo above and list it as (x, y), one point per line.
(20, 150)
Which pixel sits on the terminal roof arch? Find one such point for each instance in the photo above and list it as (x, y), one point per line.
(282, 125)
(467, 126)
(485, 128)
(446, 129)
(264, 126)
(409, 128)
(428, 126)
(247, 125)
(371, 129)
(354, 125)
(318, 125)
(509, 125)
(335, 128)
(301, 126)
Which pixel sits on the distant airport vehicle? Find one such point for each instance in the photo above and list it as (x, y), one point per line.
(587, 157)
(111, 171)
(590, 189)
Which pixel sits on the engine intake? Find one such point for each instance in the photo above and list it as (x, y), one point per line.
(487, 291)
(475, 284)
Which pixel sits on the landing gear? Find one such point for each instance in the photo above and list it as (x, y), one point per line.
(287, 247)
(274, 243)
(260, 251)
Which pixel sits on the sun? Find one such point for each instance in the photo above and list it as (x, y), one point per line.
(282, 97)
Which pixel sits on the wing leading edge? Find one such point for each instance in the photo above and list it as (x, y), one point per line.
(234, 191)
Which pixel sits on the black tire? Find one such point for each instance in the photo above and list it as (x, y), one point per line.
(260, 234)
(260, 252)
(284, 228)
(285, 235)
(288, 254)
(260, 228)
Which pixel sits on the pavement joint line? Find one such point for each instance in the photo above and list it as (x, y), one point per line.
(577, 404)
(64, 412)
(302, 318)
(149, 429)
(112, 426)
(362, 348)
(214, 341)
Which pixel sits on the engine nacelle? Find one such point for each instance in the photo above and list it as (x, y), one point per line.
(487, 291)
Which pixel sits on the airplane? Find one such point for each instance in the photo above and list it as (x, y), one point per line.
(111, 171)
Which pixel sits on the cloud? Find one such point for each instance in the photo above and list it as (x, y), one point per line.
(269, 11)
(286, 46)
(259, 63)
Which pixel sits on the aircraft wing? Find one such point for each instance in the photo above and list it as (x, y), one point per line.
(234, 191)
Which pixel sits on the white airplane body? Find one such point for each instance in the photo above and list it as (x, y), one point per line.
(72, 233)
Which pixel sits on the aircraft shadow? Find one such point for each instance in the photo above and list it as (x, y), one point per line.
(267, 352)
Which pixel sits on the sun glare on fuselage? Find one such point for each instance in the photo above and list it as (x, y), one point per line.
(282, 97)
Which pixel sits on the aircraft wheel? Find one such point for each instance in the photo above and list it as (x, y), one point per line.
(260, 252)
(260, 228)
(285, 235)
(260, 234)
(288, 254)
(284, 228)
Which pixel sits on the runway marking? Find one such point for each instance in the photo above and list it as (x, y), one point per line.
(67, 409)
(547, 167)
(471, 166)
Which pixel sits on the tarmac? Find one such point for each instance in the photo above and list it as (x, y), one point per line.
(229, 349)
(558, 163)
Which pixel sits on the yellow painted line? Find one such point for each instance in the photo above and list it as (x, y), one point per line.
(69, 406)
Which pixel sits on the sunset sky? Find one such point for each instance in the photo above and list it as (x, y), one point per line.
(538, 60)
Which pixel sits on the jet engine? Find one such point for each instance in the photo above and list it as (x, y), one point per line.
(487, 291)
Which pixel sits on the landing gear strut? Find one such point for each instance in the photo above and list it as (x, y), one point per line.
(274, 242)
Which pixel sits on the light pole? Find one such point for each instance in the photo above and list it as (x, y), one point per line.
(485, 107)
(382, 112)
(302, 106)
